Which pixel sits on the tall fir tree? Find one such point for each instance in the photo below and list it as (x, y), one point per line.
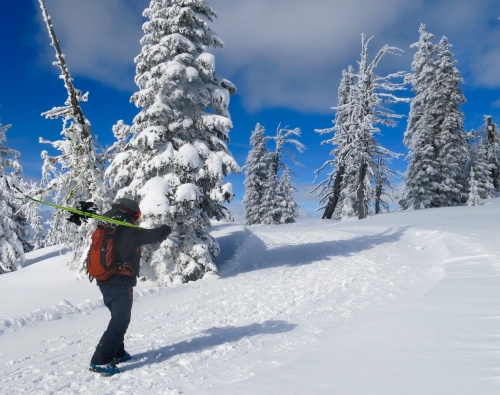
(268, 188)
(12, 230)
(33, 214)
(285, 208)
(480, 169)
(492, 134)
(269, 211)
(419, 134)
(329, 189)
(178, 157)
(488, 136)
(474, 187)
(435, 135)
(363, 97)
(256, 172)
(383, 176)
(452, 138)
(288, 207)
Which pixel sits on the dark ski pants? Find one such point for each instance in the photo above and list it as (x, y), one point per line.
(119, 302)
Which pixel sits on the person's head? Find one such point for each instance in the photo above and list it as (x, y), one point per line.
(127, 208)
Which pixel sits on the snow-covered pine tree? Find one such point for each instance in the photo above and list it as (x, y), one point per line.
(269, 183)
(114, 177)
(256, 172)
(383, 177)
(76, 174)
(178, 156)
(493, 150)
(482, 179)
(11, 246)
(288, 207)
(419, 134)
(329, 189)
(35, 218)
(488, 135)
(285, 207)
(363, 110)
(434, 135)
(269, 210)
(452, 138)
(474, 197)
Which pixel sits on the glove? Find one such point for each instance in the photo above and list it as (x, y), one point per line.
(167, 229)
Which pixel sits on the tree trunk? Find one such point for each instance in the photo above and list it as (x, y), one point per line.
(495, 171)
(332, 203)
(378, 198)
(361, 192)
(68, 81)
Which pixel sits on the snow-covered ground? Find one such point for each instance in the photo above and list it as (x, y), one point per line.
(402, 303)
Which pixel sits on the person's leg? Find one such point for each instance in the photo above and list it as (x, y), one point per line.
(119, 301)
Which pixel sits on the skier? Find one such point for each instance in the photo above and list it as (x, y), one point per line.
(117, 291)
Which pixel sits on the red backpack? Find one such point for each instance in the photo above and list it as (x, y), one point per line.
(101, 262)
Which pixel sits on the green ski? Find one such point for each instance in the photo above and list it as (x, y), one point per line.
(87, 214)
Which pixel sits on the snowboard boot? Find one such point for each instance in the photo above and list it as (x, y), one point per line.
(108, 370)
(122, 358)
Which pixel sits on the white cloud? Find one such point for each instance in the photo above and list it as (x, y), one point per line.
(289, 54)
(99, 38)
(485, 70)
(284, 53)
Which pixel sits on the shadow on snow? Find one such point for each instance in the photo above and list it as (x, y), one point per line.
(48, 253)
(254, 255)
(208, 339)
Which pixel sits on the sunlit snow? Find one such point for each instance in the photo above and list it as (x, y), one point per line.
(401, 303)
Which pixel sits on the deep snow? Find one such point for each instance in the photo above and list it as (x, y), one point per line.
(401, 303)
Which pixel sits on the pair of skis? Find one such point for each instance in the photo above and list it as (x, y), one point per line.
(84, 213)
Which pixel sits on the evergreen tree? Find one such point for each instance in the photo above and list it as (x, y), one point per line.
(492, 133)
(330, 188)
(452, 138)
(488, 136)
(362, 109)
(114, 176)
(11, 246)
(435, 134)
(382, 176)
(269, 191)
(419, 135)
(474, 197)
(35, 219)
(269, 211)
(178, 157)
(481, 166)
(283, 138)
(288, 207)
(285, 208)
(256, 172)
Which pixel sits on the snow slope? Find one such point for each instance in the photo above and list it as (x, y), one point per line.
(401, 303)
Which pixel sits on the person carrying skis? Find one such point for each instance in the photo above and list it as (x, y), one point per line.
(117, 291)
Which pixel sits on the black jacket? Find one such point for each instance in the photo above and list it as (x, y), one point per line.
(128, 250)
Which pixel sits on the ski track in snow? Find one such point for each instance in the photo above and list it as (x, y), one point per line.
(276, 295)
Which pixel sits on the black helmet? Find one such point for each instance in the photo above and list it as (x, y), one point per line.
(128, 206)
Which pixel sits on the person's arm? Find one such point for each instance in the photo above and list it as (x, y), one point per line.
(151, 236)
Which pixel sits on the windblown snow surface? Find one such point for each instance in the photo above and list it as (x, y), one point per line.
(401, 303)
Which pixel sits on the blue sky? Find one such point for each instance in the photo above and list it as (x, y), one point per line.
(285, 57)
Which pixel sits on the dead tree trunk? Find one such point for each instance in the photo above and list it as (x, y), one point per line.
(68, 81)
